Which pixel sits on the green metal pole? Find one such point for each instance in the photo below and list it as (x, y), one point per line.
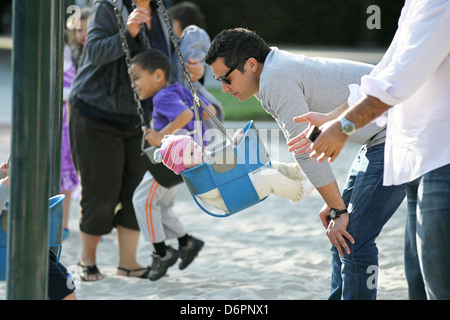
(27, 265)
(56, 73)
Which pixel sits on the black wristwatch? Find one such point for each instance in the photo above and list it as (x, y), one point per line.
(335, 213)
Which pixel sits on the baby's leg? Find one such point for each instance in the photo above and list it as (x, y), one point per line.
(214, 198)
(293, 171)
(288, 181)
(271, 181)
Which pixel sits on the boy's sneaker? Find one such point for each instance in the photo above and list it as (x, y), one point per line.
(160, 265)
(190, 251)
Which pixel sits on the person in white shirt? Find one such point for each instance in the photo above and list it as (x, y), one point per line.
(411, 83)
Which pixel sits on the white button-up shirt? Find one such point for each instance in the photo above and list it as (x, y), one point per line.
(414, 76)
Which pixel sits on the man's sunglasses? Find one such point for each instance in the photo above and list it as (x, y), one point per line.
(225, 76)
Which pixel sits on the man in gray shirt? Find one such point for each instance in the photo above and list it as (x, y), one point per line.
(289, 85)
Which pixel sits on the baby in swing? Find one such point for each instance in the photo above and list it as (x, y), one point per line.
(287, 180)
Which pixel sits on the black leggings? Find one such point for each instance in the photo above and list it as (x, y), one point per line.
(110, 168)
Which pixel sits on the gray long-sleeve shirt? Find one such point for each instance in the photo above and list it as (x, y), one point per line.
(292, 85)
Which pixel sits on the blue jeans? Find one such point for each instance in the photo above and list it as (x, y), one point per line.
(370, 205)
(427, 237)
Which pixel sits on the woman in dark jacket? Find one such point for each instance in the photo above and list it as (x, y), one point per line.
(106, 130)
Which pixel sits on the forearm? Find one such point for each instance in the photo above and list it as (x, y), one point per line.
(338, 111)
(366, 110)
(331, 195)
(103, 41)
(205, 115)
(179, 122)
(155, 137)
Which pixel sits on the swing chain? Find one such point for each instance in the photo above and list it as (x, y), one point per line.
(174, 39)
(141, 29)
(187, 75)
(126, 50)
(197, 101)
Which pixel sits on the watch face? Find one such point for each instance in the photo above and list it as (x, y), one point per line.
(333, 214)
(348, 127)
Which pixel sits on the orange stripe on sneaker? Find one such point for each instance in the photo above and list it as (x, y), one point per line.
(148, 209)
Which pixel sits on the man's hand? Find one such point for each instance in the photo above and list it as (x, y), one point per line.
(329, 143)
(336, 230)
(300, 143)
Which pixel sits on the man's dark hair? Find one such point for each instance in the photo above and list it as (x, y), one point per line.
(187, 13)
(151, 60)
(236, 46)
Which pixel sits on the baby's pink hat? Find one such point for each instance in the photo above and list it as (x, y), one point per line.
(171, 150)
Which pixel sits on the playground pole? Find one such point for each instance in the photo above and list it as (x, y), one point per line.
(56, 87)
(28, 253)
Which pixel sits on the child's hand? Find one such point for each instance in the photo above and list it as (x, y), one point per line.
(5, 181)
(4, 170)
(154, 137)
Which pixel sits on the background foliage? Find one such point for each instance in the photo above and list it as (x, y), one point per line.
(304, 22)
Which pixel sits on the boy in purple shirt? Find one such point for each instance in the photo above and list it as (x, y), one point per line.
(152, 202)
(170, 103)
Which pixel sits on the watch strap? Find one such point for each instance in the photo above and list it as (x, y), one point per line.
(338, 212)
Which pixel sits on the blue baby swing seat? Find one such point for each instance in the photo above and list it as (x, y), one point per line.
(229, 169)
(56, 205)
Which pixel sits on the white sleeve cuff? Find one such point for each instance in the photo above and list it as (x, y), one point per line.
(379, 89)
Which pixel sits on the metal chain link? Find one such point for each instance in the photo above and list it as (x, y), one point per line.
(187, 75)
(174, 39)
(197, 101)
(141, 28)
(126, 50)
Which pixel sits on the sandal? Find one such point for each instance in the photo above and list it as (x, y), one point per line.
(142, 276)
(87, 271)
